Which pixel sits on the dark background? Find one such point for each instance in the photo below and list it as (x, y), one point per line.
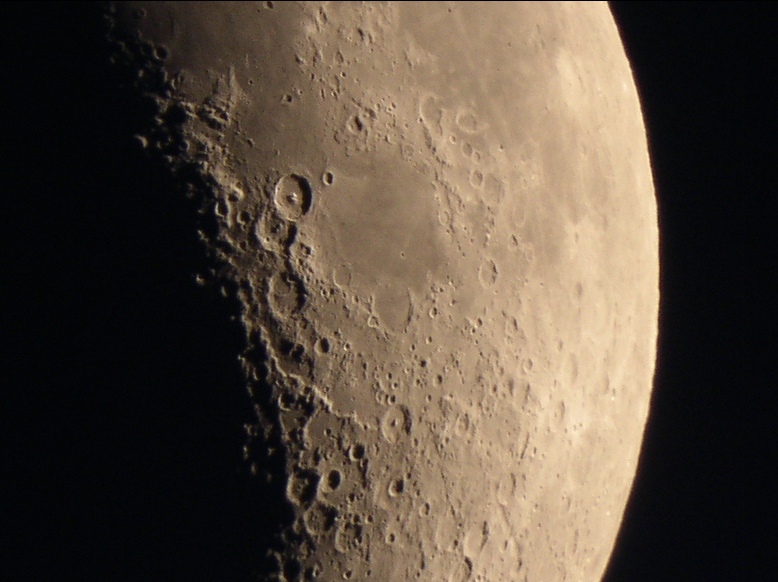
(122, 426)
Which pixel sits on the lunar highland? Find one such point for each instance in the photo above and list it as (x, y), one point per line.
(439, 221)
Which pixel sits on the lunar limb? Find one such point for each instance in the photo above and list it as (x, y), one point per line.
(440, 224)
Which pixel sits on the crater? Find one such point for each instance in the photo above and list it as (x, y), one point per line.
(320, 518)
(293, 197)
(334, 479)
(302, 487)
(395, 424)
(396, 487)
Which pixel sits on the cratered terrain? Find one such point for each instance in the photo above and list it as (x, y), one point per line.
(439, 221)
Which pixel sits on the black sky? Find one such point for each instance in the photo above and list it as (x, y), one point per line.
(125, 410)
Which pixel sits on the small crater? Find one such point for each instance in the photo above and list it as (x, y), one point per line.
(396, 423)
(348, 537)
(222, 208)
(274, 233)
(293, 197)
(334, 479)
(397, 487)
(324, 345)
(320, 518)
(287, 401)
(357, 452)
(161, 52)
(355, 124)
(487, 273)
(467, 121)
(328, 178)
(462, 425)
(302, 487)
(286, 295)
(477, 179)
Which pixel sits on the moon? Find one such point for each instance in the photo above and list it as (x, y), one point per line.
(439, 221)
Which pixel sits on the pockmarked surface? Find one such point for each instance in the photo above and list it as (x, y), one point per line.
(440, 223)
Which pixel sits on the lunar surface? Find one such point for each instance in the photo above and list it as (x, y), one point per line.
(439, 221)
